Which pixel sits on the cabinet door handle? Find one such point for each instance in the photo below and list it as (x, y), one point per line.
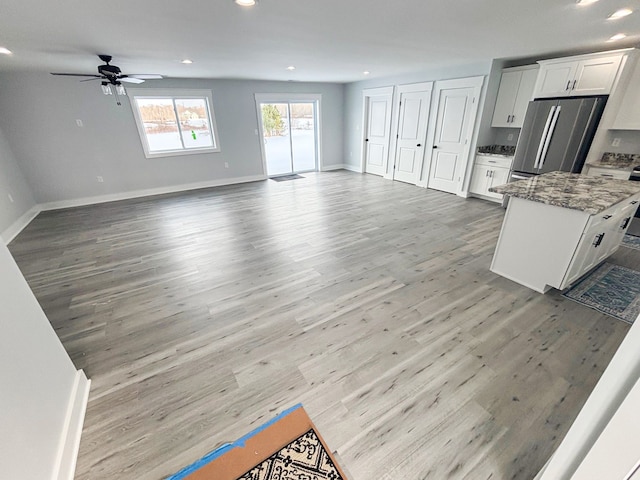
(598, 240)
(633, 202)
(486, 174)
(490, 173)
(606, 217)
(625, 222)
(513, 117)
(568, 85)
(419, 145)
(573, 87)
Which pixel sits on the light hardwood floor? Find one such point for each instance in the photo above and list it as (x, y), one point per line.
(200, 315)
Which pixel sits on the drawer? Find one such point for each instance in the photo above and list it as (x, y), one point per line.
(494, 161)
(608, 173)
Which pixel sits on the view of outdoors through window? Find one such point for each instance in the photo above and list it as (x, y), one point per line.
(289, 137)
(175, 124)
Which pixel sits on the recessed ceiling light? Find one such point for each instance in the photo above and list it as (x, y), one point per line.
(366, 72)
(186, 61)
(5, 51)
(623, 12)
(291, 67)
(582, 3)
(245, 3)
(617, 36)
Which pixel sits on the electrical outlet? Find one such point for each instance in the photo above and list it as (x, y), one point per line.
(226, 164)
(79, 123)
(510, 137)
(10, 197)
(616, 142)
(100, 179)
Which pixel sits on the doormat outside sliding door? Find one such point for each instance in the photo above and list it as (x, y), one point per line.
(610, 289)
(284, 178)
(287, 447)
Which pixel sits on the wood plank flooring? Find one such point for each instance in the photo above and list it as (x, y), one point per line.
(200, 315)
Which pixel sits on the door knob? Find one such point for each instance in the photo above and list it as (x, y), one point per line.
(366, 139)
(419, 145)
(435, 146)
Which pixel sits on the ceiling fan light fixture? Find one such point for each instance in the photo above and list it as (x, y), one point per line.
(5, 51)
(246, 3)
(106, 89)
(187, 61)
(120, 90)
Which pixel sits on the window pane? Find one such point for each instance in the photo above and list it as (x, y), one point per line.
(303, 136)
(194, 122)
(277, 144)
(160, 124)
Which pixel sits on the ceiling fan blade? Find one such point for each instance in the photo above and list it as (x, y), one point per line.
(131, 80)
(76, 75)
(146, 76)
(91, 79)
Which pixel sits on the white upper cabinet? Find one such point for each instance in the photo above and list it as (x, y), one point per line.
(628, 117)
(576, 76)
(516, 89)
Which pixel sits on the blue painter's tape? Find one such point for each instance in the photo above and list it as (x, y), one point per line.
(218, 452)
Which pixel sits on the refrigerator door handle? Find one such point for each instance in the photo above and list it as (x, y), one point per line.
(544, 136)
(547, 141)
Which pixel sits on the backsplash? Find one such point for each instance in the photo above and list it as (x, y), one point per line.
(497, 149)
(620, 159)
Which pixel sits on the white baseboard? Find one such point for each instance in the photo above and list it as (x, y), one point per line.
(113, 197)
(74, 420)
(16, 227)
(341, 166)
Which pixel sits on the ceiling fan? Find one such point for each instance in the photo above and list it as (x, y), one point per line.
(112, 75)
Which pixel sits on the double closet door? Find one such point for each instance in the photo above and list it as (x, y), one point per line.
(401, 157)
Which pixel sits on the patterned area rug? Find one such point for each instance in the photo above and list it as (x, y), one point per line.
(630, 241)
(303, 458)
(287, 447)
(284, 178)
(610, 289)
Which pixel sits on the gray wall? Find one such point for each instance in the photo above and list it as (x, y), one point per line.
(354, 105)
(61, 160)
(12, 183)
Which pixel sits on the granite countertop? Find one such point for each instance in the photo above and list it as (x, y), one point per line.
(617, 161)
(497, 150)
(571, 190)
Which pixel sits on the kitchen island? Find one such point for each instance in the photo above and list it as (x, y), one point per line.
(559, 226)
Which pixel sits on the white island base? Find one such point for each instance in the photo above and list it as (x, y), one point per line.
(544, 246)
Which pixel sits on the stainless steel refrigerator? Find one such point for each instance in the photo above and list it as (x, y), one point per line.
(556, 135)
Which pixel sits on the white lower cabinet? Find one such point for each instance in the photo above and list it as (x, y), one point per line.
(601, 239)
(543, 246)
(489, 171)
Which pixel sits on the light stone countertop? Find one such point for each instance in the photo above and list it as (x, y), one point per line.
(571, 190)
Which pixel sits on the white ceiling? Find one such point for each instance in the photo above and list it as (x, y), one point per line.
(327, 40)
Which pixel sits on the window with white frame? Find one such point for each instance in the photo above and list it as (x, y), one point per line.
(174, 121)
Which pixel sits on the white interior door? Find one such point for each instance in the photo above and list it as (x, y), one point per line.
(412, 133)
(378, 128)
(454, 123)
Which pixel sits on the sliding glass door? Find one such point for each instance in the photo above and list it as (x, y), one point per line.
(290, 136)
